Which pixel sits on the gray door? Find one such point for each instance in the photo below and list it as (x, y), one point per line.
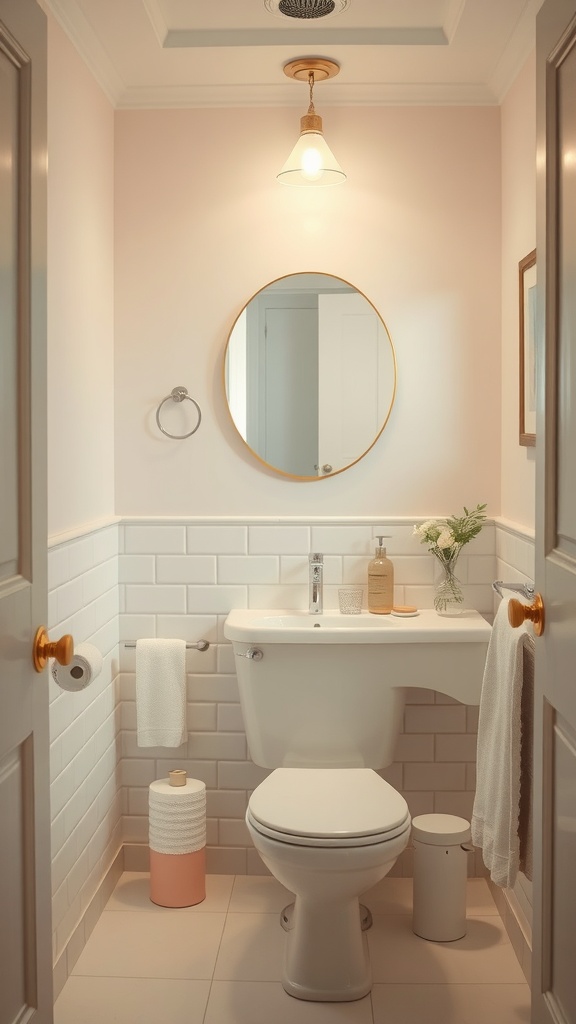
(554, 978)
(25, 929)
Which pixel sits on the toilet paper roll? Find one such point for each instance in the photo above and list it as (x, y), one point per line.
(163, 791)
(86, 664)
(177, 817)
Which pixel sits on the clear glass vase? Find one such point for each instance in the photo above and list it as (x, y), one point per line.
(448, 595)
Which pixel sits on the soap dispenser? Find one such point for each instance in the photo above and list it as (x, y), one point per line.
(380, 582)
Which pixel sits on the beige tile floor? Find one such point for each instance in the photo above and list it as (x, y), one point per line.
(221, 961)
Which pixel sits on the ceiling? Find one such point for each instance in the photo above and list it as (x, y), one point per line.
(206, 53)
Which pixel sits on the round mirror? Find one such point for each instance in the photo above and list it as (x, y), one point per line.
(310, 375)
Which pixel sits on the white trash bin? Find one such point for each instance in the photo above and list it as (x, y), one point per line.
(440, 872)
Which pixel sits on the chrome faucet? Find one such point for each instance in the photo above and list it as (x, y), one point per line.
(315, 576)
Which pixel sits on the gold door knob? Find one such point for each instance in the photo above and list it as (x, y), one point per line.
(43, 648)
(518, 613)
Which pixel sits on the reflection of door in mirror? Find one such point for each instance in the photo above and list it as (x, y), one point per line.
(310, 375)
(282, 380)
(354, 365)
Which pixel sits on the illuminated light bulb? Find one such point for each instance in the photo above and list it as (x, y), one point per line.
(311, 162)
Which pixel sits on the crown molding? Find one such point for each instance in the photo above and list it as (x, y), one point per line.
(159, 26)
(381, 95)
(521, 44)
(452, 20)
(86, 42)
(79, 30)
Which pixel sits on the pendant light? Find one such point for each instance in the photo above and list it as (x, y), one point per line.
(311, 162)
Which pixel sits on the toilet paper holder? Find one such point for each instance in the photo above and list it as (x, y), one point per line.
(84, 667)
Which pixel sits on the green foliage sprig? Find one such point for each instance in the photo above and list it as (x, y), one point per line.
(445, 537)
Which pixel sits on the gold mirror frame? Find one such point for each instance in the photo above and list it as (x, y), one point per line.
(389, 402)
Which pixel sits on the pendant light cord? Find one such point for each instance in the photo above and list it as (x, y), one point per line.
(311, 87)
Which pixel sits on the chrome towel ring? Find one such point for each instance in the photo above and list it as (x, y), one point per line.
(178, 395)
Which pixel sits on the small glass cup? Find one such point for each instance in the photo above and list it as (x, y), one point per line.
(350, 600)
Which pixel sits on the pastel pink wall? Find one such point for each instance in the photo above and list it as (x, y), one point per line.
(202, 224)
(518, 239)
(80, 292)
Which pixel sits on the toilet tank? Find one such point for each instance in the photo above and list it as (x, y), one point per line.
(316, 707)
(328, 690)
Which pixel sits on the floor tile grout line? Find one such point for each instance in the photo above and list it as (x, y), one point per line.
(231, 893)
(218, 953)
(138, 977)
(483, 914)
(449, 984)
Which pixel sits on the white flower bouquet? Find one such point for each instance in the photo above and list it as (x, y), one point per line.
(445, 539)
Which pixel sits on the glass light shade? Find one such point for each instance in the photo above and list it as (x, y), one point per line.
(311, 162)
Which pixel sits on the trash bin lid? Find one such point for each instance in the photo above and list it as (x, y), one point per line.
(440, 829)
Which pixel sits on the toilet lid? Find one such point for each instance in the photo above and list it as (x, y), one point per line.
(328, 803)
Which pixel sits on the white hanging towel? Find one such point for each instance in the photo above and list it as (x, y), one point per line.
(160, 693)
(495, 816)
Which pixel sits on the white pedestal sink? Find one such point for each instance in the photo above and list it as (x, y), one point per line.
(325, 663)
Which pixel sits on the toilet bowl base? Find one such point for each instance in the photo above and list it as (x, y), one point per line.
(287, 918)
(326, 952)
(314, 995)
(326, 949)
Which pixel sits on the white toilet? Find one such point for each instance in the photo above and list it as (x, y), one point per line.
(325, 824)
(328, 835)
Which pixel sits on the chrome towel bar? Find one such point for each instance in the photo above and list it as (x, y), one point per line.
(200, 645)
(526, 589)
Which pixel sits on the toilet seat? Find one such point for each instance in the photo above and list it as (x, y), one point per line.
(327, 807)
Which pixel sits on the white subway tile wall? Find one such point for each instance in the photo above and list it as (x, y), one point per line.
(86, 804)
(214, 568)
(515, 559)
(179, 578)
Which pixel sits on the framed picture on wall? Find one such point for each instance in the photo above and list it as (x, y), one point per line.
(527, 281)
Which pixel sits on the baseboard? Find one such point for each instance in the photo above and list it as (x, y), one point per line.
(220, 860)
(233, 861)
(136, 857)
(69, 955)
(516, 924)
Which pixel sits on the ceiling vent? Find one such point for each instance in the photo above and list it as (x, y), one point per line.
(306, 10)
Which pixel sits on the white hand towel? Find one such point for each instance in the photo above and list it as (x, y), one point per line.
(495, 815)
(161, 693)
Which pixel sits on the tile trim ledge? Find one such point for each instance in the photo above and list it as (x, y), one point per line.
(518, 529)
(278, 520)
(80, 531)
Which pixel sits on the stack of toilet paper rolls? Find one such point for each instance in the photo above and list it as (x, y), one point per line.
(177, 838)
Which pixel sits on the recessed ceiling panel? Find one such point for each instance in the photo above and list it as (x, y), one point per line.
(163, 53)
(225, 14)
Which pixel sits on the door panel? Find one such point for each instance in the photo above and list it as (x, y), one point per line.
(25, 929)
(290, 391)
(9, 74)
(554, 982)
(564, 859)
